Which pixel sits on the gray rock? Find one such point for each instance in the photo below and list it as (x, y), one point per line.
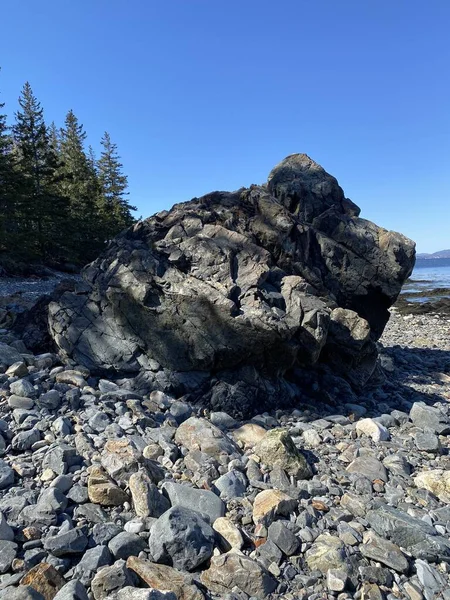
(415, 535)
(6, 475)
(104, 532)
(63, 483)
(8, 552)
(52, 500)
(111, 579)
(59, 458)
(126, 544)
(25, 439)
(182, 539)
(433, 582)
(264, 318)
(202, 501)
(427, 441)
(93, 559)
(180, 411)
(386, 552)
(368, 466)
(99, 422)
(50, 400)
(22, 592)
(78, 494)
(23, 387)
(397, 463)
(6, 533)
(283, 537)
(8, 356)
(74, 590)
(73, 541)
(129, 593)
(231, 485)
(20, 402)
(429, 417)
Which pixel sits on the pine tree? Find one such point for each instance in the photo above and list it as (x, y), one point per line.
(79, 185)
(115, 208)
(43, 212)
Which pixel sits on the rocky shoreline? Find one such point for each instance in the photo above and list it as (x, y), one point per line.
(109, 494)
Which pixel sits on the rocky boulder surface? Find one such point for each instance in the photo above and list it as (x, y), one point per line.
(233, 297)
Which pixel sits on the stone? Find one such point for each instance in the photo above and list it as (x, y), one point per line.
(202, 501)
(103, 532)
(103, 491)
(130, 593)
(120, 459)
(18, 369)
(229, 534)
(181, 538)
(8, 355)
(312, 438)
(436, 481)
(234, 570)
(415, 535)
(433, 582)
(283, 537)
(383, 551)
(23, 387)
(427, 441)
(70, 542)
(199, 434)
(163, 577)
(260, 281)
(6, 533)
(93, 559)
(231, 485)
(44, 579)
(15, 401)
(111, 579)
(327, 552)
(71, 377)
(8, 551)
(50, 400)
(126, 544)
(74, 590)
(336, 580)
(25, 439)
(429, 417)
(373, 429)
(368, 466)
(397, 464)
(147, 500)
(59, 458)
(271, 503)
(277, 449)
(249, 434)
(23, 592)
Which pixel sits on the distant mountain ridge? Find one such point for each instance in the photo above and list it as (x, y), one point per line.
(440, 254)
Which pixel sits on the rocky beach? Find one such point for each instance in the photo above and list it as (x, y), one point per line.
(117, 482)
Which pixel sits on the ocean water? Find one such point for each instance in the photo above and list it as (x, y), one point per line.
(428, 274)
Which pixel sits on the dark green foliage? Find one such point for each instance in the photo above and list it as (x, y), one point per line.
(57, 204)
(115, 208)
(43, 212)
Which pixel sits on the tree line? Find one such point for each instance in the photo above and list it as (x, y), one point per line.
(59, 204)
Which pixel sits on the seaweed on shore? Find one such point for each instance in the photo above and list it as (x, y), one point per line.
(440, 306)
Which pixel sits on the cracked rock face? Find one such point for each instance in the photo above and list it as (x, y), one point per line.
(227, 296)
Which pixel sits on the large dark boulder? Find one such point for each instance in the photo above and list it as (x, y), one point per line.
(227, 295)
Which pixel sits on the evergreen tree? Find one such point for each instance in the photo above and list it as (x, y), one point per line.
(115, 208)
(43, 212)
(79, 185)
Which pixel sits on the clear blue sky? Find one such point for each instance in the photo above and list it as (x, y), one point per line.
(209, 94)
